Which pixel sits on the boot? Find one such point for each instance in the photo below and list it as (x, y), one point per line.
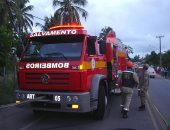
(142, 108)
(125, 114)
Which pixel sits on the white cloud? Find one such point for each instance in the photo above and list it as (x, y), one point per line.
(41, 9)
(136, 22)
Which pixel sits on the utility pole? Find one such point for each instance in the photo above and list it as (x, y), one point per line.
(160, 61)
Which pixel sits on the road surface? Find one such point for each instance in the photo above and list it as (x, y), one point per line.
(159, 92)
(22, 118)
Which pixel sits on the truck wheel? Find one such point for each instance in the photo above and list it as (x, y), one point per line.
(102, 103)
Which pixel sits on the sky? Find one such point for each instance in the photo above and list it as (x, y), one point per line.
(136, 22)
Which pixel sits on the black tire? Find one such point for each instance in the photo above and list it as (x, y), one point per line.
(102, 102)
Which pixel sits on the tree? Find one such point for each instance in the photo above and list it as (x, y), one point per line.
(69, 10)
(104, 32)
(5, 11)
(23, 18)
(136, 58)
(49, 22)
(166, 59)
(6, 42)
(14, 14)
(152, 59)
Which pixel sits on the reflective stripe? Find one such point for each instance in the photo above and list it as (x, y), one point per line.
(126, 109)
(128, 71)
(88, 65)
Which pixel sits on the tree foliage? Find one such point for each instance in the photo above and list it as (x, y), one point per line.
(68, 11)
(154, 58)
(48, 22)
(23, 18)
(14, 14)
(166, 59)
(6, 8)
(104, 32)
(136, 58)
(15, 21)
(6, 42)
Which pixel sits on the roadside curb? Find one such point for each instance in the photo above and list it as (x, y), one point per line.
(157, 118)
(8, 105)
(17, 104)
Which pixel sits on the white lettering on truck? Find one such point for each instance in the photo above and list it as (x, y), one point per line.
(55, 32)
(46, 65)
(30, 96)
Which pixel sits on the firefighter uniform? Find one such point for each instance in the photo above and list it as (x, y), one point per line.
(128, 80)
(143, 85)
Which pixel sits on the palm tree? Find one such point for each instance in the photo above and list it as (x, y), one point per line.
(14, 13)
(48, 22)
(23, 17)
(6, 12)
(104, 32)
(3, 12)
(69, 10)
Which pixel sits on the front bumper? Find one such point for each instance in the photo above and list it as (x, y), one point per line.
(56, 101)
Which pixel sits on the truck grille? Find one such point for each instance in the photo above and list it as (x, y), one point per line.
(56, 79)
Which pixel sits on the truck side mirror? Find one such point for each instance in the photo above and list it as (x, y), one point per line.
(19, 50)
(102, 46)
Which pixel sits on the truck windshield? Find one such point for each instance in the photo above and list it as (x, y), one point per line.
(53, 51)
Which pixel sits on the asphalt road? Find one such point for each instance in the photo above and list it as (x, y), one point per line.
(159, 92)
(22, 118)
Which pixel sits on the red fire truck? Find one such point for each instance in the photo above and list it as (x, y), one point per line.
(67, 70)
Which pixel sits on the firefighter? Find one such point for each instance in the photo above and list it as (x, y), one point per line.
(143, 85)
(129, 79)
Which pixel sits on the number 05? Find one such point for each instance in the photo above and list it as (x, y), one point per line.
(58, 98)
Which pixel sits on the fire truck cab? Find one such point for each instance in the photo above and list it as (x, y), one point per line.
(65, 70)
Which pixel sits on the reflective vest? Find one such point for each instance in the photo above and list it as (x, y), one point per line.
(127, 79)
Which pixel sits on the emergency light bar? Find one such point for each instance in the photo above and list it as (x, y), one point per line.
(60, 30)
(67, 26)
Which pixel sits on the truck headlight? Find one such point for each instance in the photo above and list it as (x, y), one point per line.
(75, 98)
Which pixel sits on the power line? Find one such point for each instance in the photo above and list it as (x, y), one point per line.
(38, 18)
